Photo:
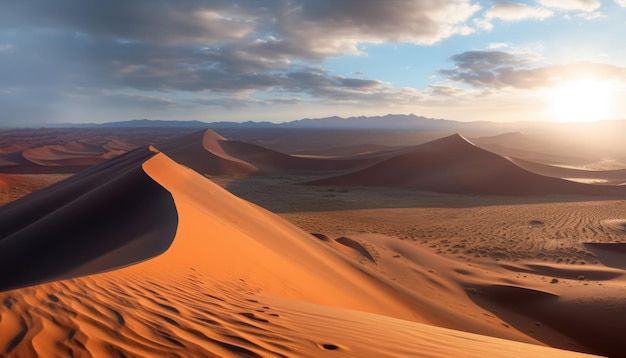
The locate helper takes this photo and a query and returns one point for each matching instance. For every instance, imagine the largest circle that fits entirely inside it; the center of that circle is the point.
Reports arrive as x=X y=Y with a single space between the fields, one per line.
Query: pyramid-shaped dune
x=454 y=165
x=191 y=270
x=203 y=152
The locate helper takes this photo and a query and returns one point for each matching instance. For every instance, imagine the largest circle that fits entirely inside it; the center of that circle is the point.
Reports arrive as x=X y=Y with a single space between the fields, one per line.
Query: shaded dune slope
x=454 y=165
x=108 y=216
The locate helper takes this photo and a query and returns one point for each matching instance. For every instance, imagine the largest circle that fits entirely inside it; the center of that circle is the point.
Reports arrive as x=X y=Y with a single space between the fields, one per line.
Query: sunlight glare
x=581 y=101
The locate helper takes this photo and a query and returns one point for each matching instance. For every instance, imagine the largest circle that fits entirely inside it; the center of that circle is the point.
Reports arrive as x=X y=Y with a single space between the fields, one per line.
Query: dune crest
x=203 y=152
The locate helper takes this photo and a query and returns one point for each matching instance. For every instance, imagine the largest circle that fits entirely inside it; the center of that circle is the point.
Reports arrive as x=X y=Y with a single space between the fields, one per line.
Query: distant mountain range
x=389 y=122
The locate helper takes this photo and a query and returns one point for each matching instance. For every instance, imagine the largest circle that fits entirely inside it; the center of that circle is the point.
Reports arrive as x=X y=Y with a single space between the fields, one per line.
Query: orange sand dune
x=202 y=151
x=209 y=153
x=118 y=144
x=72 y=152
x=70 y=157
x=276 y=256
x=233 y=282
x=454 y=165
x=11 y=148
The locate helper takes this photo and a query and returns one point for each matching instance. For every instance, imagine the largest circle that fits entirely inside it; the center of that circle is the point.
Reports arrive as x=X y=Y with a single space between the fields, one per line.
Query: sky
x=278 y=60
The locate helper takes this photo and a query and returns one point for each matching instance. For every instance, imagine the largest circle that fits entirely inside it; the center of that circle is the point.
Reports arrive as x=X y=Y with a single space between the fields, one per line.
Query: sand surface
x=251 y=275
x=176 y=265
x=71 y=150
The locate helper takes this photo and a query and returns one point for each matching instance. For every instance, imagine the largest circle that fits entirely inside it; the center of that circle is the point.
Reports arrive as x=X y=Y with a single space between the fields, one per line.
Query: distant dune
x=209 y=153
x=71 y=150
x=454 y=165
x=614 y=177
x=203 y=152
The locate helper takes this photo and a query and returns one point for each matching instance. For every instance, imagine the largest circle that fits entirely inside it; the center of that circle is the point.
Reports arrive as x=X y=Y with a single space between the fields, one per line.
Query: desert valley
x=196 y=242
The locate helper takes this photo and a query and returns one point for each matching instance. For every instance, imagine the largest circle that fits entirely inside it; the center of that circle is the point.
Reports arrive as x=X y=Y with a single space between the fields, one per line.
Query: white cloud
x=497 y=45
x=499 y=70
x=515 y=12
x=621 y=3
x=338 y=26
x=507 y=11
x=589 y=15
x=580 y=5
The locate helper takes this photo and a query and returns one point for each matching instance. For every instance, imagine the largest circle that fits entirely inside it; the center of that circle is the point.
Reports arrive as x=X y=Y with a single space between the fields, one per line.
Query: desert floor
x=387 y=272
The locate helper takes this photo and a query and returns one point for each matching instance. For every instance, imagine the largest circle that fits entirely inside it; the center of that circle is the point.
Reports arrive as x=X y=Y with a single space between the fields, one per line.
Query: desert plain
x=304 y=243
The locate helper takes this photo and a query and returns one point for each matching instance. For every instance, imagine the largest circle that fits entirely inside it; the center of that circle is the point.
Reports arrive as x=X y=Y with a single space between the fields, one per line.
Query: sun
x=581 y=101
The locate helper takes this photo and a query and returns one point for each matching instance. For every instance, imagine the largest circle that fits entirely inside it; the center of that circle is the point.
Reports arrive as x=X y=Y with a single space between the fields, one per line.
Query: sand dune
x=454 y=165
x=176 y=265
x=70 y=150
x=72 y=153
x=119 y=144
x=11 y=148
x=107 y=217
x=203 y=152
x=271 y=162
x=236 y=280
x=614 y=177
x=209 y=153
x=610 y=254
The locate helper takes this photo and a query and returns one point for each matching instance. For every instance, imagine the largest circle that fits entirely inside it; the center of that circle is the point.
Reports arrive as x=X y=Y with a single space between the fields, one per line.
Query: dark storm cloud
x=143 y=20
x=497 y=70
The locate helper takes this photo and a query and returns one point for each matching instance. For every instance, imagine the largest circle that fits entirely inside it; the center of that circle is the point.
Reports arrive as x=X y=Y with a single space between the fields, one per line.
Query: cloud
x=209 y=48
x=340 y=25
x=133 y=100
x=621 y=3
x=500 y=70
x=515 y=12
x=450 y=92
x=497 y=45
x=580 y=5
x=156 y=21
x=507 y=11
x=305 y=28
